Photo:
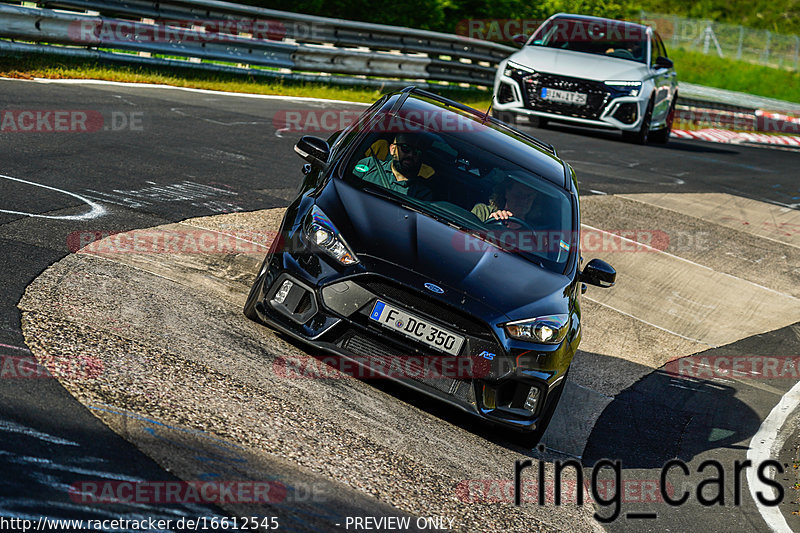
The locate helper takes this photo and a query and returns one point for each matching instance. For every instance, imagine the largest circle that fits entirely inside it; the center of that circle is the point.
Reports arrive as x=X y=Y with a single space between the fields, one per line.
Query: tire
x=538 y=122
x=530 y=440
x=662 y=136
x=505 y=116
x=252 y=298
x=642 y=135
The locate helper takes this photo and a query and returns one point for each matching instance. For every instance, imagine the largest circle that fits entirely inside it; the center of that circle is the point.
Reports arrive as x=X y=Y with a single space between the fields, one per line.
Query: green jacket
x=367 y=170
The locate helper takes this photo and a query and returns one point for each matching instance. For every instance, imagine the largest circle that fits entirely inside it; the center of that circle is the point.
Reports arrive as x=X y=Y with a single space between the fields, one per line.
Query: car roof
x=601 y=19
x=484 y=131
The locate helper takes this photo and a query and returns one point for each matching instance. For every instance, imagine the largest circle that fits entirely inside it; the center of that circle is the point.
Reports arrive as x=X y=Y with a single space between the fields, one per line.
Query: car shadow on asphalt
x=698 y=403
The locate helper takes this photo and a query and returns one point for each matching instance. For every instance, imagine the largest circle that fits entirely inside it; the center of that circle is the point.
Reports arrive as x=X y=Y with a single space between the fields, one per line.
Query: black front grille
x=597 y=95
x=439 y=312
x=381 y=354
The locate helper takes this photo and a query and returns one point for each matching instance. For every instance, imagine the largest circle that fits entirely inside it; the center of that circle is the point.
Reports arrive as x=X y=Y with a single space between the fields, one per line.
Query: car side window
x=343 y=137
x=661 y=46
x=658 y=49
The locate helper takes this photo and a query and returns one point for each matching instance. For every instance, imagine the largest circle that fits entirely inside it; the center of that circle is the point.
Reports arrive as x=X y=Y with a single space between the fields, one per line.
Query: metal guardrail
x=302 y=45
x=232 y=38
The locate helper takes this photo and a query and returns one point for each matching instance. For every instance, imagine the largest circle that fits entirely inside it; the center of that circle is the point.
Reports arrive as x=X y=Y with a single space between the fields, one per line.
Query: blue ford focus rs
x=438 y=247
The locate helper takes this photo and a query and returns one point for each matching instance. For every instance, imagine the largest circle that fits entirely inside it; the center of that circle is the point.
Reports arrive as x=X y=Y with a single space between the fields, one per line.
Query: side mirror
x=599 y=273
x=520 y=39
x=314 y=150
x=663 y=62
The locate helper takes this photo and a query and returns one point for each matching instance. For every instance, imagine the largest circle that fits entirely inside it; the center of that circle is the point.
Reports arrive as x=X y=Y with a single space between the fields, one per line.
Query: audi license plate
x=565 y=97
x=416 y=328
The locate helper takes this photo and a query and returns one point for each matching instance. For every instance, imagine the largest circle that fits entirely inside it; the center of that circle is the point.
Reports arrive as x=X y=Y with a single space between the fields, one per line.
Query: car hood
x=389 y=238
x=579 y=64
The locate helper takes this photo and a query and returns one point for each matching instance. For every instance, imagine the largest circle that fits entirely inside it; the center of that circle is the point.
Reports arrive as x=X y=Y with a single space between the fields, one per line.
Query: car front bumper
x=330 y=312
x=605 y=108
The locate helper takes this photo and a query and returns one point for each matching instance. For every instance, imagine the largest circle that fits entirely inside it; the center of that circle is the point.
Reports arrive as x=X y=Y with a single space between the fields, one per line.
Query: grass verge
x=723 y=73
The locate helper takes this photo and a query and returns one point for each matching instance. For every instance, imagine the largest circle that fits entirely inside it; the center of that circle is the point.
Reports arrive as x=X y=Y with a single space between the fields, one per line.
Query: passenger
x=400 y=173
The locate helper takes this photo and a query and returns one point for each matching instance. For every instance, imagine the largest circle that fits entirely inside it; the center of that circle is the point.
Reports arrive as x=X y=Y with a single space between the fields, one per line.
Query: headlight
x=515 y=68
x=546 y=329
x=631 y=88
x=320 y=231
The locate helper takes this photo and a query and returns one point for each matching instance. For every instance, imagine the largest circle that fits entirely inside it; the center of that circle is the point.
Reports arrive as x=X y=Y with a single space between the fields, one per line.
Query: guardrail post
x=675 y=26
x=796 y=51
x=766 y=49
x=741 y=41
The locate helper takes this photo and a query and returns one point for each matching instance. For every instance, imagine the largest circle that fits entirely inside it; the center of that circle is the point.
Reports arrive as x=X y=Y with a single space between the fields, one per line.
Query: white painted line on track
x=262 y=245
x=637 y=198
x=97 y=209
x=20 y=348
x=761 y=446
x=650 y=323
x=690 y=262
x=191 y=89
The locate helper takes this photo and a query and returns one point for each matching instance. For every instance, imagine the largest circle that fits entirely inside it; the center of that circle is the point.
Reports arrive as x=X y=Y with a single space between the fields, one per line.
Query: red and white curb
x=733 y=137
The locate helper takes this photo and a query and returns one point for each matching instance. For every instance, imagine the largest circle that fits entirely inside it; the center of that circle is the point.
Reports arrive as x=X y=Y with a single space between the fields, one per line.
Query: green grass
x=713 y=71
x=44 y=66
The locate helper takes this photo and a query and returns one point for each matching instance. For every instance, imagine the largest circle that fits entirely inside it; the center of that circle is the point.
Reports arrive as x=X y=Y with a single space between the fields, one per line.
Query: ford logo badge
x=434 y=288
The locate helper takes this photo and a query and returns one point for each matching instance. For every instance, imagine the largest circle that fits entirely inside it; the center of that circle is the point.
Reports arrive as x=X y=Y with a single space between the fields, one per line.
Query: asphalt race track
x=153 y=375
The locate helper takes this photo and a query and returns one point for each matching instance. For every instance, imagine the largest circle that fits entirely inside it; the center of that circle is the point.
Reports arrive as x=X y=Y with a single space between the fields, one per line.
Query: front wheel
x=505 y=116
x=538 y=122
x=662 y=136
x=252 y=298
x=642 y=134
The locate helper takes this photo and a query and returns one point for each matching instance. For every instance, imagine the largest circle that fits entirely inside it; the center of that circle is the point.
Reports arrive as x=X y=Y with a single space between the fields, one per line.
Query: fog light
x=280 y=296
x=532 y=399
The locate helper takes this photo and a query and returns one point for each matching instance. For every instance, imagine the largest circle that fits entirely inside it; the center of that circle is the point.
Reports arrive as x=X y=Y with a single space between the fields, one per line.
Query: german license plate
x=565 y=97
x=416 y=328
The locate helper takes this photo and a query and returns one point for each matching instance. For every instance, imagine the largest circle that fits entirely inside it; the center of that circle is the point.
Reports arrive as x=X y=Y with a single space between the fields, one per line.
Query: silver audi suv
x=590 y=71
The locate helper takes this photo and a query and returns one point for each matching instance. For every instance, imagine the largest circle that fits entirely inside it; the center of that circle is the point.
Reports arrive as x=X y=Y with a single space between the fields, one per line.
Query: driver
x=511 y=199
x=400 y=173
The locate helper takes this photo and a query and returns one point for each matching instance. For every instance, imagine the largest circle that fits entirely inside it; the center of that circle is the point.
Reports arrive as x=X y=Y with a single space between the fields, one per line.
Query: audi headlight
x=545 y=329
x=515 y=68
x=630 y=88
x=321 y=232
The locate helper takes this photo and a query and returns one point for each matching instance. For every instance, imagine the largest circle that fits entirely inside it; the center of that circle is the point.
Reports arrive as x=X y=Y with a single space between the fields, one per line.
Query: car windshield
x=497 y=203
x=602 y=37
